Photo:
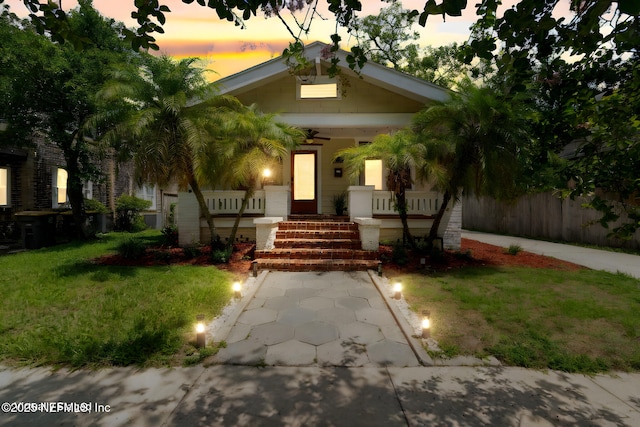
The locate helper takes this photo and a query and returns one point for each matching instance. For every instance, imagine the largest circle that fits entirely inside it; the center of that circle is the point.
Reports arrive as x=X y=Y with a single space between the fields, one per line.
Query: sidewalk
x=309 y=396
x=595 y=259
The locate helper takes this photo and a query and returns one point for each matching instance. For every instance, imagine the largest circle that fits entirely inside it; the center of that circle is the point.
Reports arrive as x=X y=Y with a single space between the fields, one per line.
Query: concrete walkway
x=319 y=319
x=595 y=259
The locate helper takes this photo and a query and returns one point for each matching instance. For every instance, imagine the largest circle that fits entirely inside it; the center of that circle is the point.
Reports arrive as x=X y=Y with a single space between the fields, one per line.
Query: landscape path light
x=237 y=289
x=201 y=340
x=426 y=324
x=397 y=290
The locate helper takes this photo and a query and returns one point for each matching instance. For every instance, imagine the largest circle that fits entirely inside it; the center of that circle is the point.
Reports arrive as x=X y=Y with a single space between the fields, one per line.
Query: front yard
x=57 y=307
x=558 y=317
x=60 y=307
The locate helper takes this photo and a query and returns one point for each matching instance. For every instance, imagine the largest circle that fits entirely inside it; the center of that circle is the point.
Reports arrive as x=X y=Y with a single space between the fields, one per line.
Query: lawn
x=59 y=308
x=576 y=321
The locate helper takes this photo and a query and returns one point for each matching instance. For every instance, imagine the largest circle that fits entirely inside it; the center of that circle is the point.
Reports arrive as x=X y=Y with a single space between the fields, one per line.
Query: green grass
x=58 y=308
x=579 y=321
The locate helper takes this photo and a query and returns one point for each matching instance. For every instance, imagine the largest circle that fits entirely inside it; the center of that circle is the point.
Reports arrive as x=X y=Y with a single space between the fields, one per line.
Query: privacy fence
x=544 y=216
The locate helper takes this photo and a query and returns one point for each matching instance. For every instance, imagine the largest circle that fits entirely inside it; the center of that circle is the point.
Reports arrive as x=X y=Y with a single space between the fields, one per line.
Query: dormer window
x=323 y=87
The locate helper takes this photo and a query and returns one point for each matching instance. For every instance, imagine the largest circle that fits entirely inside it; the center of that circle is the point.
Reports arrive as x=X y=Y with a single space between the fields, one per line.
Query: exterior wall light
x=201 y=340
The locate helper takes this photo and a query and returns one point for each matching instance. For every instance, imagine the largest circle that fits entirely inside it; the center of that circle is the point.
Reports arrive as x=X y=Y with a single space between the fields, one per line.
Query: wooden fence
x=544 y=216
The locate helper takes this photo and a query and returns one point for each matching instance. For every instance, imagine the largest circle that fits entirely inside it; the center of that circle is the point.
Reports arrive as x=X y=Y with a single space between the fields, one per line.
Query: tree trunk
x=401 y=202
x=433 y=233
x=204 y=212
x=248 y=193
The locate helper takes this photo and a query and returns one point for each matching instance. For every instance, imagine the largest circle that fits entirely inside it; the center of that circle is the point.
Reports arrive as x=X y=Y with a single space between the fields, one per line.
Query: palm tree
x=170 y=125
x=475 y=142
x=398 y=153
x=254 y=141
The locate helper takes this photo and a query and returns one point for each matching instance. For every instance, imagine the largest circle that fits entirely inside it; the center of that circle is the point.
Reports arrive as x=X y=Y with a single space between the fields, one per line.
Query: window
x=147 y=192
x=322 y=88
x=373 y=173
x=59 y=186
x=5 y=190
x=87 y=190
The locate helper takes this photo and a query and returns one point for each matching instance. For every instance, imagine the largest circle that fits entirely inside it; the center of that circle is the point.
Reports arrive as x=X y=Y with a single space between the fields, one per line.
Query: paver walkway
x=317 y=319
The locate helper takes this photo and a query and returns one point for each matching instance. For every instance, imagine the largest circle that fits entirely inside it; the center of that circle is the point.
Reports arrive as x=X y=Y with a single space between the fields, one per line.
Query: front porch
x=372 y=210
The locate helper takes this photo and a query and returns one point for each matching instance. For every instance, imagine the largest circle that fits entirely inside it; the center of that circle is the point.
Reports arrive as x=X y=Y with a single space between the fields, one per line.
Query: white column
x=369 y=233
x=188 y=219
x=360 y=201
x=266 y=232
x=277 y=201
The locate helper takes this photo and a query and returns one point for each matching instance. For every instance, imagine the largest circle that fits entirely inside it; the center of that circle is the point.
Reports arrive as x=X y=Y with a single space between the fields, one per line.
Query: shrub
x=170 y=235
x=128 y=216
x=94 y=205
x=399 y=254
x=514 y=249
x=191 y=252
x=221 y=256
x=131 y=248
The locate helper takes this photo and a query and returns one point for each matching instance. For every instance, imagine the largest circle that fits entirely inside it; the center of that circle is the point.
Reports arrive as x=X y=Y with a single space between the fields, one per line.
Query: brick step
x=316 y=264
x=319 y=253
x=307 y=243
x=317 y=225
x=318 y=217
x=318 y=234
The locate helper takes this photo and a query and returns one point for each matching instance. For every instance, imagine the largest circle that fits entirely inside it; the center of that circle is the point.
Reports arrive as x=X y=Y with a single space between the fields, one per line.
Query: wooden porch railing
x=418 y=203
x=229 y=202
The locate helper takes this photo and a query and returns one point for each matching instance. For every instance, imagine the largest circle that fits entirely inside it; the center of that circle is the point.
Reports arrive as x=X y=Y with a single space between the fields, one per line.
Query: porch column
x=277 y=201
x=360 y=201
x=369 y=233
x=188 y=219
x=266 y=232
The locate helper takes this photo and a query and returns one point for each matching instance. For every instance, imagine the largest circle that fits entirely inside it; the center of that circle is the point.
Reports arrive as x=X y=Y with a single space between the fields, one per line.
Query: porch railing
x=418 y=203
x=229 y=202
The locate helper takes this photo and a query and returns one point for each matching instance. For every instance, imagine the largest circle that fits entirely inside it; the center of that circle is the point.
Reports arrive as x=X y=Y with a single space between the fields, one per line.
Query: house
x=34 y=205
x=336 y=113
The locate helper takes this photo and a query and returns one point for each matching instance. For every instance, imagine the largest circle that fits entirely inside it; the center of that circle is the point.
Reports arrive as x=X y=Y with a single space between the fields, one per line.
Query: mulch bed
x=472 y=253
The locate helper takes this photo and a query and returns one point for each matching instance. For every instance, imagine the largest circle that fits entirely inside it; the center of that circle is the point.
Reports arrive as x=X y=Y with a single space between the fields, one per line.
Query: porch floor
x=317 y=243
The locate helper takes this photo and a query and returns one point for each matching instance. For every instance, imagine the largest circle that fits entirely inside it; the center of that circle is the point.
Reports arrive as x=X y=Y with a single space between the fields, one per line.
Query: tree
x=399 y=154
x=57 y=100
x=582 y=71
x=476 y=142
x=384 y=36
x=253 y=141
x=171 y=130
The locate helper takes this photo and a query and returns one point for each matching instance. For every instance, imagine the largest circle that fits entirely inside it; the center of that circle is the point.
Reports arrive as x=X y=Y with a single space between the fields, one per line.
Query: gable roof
x=376 y=74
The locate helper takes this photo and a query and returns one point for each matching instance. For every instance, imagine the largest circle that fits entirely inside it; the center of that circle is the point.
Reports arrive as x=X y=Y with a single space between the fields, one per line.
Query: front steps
x=317 y=245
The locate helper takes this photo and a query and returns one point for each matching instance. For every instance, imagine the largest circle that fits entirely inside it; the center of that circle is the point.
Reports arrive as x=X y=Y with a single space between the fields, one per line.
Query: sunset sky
x=194 y=30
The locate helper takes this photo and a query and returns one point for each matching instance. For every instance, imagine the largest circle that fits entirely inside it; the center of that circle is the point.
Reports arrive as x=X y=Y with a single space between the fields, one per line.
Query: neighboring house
x=33 y=194
x=337 y=113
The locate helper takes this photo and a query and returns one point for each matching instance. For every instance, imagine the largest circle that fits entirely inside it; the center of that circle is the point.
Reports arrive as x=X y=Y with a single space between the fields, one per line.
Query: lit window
x=147 y=192
x=321 y=88
x=4 y=187
x=373 y=173
x=59 y=185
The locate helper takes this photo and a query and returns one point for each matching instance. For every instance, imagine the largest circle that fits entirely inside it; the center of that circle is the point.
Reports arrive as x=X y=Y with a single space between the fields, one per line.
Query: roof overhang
x=376 y=74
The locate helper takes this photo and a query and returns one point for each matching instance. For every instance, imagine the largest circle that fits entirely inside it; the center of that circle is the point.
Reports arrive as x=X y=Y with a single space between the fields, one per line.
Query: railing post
x=360 y=201
x=277 y=201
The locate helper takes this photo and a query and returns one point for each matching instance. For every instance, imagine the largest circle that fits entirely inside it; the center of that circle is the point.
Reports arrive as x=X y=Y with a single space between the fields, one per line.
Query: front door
x=304 y=187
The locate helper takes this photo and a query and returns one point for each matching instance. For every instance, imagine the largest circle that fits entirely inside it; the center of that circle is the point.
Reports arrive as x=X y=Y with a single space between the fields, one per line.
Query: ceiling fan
x=311 y=136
